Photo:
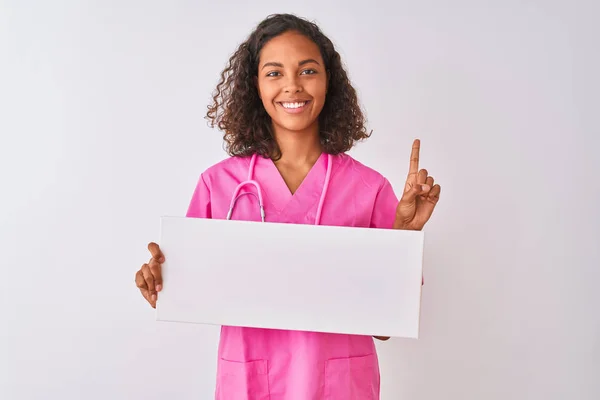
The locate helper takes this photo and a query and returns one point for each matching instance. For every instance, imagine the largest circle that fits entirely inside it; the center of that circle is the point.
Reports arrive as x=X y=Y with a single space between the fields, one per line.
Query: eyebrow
x=280 y=65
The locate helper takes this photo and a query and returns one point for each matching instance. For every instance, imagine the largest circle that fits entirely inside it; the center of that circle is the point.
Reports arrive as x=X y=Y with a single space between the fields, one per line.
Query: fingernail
x=162 y=260
x=153 y=297
x=158 y=288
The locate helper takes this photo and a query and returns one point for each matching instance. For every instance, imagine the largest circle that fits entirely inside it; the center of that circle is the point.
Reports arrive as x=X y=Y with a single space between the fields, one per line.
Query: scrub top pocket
x=242 y=380
x=351 y=378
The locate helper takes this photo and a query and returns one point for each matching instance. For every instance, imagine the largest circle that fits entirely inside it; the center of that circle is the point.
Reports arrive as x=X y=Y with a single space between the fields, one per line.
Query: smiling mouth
x=294 y=106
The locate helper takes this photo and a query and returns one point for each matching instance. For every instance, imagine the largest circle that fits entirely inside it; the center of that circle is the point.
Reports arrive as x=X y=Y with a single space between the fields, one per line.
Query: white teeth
x=293 y=105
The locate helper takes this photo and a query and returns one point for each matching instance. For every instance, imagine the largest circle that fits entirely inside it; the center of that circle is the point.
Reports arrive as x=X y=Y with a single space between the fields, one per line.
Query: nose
x=293 y=85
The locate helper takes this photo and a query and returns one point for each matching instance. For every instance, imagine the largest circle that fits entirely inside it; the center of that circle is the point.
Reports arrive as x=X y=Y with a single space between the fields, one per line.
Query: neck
x=298 y=148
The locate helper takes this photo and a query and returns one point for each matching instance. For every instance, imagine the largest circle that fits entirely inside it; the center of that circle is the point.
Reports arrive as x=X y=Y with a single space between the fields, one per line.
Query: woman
x=289 y=114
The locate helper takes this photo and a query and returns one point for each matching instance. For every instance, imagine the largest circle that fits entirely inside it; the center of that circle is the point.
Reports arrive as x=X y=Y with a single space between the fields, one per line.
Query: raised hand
x=420 y=195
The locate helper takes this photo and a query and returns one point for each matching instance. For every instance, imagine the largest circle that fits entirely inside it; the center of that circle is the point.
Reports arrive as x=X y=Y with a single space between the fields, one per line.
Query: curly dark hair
x=238 y=112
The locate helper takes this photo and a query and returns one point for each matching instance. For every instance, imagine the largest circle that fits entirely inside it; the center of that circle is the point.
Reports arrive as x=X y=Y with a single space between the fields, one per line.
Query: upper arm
x=384 y=208
x=200 y=204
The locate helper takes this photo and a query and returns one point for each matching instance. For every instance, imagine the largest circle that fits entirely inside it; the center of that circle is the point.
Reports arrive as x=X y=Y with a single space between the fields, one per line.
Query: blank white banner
x=288 y=276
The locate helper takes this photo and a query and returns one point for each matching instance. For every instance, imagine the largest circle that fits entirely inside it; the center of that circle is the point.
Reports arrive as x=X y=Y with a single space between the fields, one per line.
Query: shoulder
x=232 y=166
x=347 y=167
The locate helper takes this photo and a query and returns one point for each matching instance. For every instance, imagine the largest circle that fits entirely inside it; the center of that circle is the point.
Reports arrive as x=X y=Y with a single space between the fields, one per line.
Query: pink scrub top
x=261 y=364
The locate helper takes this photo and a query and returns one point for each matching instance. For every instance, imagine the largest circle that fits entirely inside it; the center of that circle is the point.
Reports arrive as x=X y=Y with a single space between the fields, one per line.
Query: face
x=292 y=82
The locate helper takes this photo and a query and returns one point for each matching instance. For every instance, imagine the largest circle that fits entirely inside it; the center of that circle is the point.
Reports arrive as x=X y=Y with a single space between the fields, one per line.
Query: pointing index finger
x=414 y=158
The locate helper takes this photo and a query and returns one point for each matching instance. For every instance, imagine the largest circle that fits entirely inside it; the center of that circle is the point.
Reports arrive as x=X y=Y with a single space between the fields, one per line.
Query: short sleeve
x=384 y=209
x=199 y=206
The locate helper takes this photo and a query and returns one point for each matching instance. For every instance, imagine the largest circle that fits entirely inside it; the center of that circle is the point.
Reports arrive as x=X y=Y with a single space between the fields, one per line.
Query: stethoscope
x=258 y=195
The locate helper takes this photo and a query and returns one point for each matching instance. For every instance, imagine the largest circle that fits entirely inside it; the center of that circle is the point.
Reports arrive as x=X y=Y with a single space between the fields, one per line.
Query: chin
x=295 y=126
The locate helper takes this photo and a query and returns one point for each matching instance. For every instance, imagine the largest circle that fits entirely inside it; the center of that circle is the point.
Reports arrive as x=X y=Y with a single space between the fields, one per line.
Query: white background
x=102 y=131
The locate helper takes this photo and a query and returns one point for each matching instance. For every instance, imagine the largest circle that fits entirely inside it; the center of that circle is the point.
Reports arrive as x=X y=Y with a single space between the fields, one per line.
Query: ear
x=257 y=87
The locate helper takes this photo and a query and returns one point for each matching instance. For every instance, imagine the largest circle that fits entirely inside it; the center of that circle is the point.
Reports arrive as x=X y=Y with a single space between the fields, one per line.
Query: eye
x=273 y=74
x=308 y=72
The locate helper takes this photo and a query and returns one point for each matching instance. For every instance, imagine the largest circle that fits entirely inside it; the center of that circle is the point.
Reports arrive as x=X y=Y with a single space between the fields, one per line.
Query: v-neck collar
x=278 y=192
